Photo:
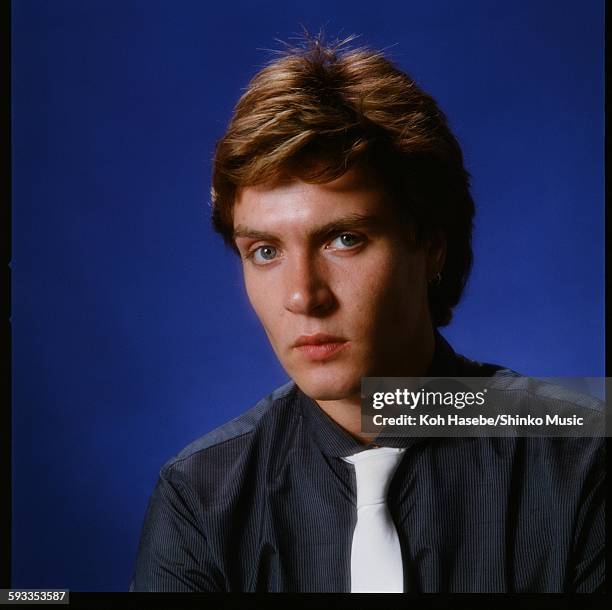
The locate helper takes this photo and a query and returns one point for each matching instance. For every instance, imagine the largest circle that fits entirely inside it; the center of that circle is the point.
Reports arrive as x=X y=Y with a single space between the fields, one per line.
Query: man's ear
x=436 y=254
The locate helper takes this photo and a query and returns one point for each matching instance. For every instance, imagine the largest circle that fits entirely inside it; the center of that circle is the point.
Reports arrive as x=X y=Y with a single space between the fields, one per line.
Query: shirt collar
x=337 y=442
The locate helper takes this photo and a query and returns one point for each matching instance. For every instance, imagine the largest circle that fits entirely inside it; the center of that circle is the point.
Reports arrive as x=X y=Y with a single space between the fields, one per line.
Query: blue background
x=132 y=333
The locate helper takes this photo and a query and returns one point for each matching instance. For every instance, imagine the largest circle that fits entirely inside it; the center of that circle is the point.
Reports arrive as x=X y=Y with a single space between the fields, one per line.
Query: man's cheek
x=256 y=296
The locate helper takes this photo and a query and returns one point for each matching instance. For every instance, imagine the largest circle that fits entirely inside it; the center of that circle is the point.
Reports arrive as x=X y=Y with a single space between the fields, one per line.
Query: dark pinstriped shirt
x=265 y=503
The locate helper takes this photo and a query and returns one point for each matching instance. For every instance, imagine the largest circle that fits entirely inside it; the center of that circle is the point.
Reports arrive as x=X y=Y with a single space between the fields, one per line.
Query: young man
x=341 y=187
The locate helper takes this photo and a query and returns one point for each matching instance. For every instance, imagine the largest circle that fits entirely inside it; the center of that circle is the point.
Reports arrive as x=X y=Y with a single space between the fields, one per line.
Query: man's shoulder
x=573 y=448
x=562 y=390
x=236 y=435
x=571 y=407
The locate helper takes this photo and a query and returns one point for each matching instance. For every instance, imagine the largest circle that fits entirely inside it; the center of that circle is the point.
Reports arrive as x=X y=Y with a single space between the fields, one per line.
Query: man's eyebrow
x=344 y=223
x=241 y=231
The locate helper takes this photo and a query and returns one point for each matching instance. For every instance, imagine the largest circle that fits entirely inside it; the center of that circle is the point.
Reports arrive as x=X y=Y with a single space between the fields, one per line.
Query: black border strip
x=6 y=422
x=335 y=601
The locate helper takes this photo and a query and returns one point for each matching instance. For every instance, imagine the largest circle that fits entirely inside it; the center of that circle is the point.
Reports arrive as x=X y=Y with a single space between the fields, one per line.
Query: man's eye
x=263 y=254
x=346 y=240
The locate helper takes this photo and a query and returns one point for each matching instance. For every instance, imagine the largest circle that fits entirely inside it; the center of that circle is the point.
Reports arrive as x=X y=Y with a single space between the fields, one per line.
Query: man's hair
x=318 y=110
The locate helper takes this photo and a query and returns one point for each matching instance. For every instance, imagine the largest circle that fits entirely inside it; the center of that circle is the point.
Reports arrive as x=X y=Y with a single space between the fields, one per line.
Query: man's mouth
x=319 y=346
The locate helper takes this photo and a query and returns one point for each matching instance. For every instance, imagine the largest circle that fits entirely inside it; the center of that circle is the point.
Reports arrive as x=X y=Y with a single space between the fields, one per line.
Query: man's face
x=337 y=286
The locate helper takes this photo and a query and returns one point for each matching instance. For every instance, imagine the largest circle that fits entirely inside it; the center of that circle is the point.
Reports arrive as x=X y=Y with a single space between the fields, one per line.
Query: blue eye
x=346 y=240
x=264 y=254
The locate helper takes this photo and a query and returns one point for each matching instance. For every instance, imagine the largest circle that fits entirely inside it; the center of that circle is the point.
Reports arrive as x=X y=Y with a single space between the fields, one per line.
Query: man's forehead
x=307 y=207
x=352 y=195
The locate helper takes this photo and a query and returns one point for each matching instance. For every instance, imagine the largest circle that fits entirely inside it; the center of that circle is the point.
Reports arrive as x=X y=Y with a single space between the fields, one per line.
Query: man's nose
x=308 y=291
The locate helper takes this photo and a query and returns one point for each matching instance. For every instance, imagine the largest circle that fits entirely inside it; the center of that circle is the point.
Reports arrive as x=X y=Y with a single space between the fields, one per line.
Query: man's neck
x=347 y=414
x=347 y=411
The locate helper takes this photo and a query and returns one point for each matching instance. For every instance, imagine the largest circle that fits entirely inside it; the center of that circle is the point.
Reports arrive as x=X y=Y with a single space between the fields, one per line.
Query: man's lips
x=319 y=346
x=317 y=339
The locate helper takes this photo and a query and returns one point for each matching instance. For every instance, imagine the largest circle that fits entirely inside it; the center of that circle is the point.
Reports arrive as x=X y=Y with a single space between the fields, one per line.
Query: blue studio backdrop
x=131 y=329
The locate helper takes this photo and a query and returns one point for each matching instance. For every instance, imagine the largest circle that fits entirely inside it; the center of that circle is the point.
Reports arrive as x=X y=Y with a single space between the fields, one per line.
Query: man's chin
x=325 y=390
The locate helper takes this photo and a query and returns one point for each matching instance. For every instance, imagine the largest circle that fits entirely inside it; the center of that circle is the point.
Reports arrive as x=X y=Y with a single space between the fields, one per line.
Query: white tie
x=376 y=557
